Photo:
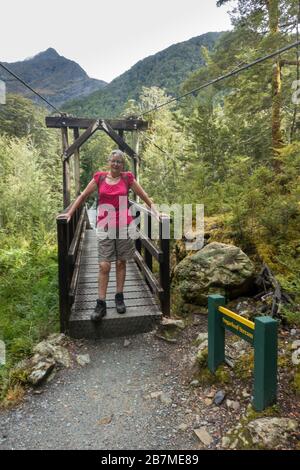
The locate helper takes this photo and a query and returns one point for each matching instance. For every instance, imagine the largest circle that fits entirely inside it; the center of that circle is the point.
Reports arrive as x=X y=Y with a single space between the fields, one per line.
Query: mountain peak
x=49 y=53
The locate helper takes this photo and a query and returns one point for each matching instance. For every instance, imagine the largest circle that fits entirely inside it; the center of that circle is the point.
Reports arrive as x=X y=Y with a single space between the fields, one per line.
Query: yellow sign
x=237 y=327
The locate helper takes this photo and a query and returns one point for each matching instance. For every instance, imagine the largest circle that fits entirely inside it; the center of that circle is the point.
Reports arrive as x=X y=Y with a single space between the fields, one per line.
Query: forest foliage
x=215 y=147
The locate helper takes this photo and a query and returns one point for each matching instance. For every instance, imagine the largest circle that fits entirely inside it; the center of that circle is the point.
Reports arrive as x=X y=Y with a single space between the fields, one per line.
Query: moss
x=296 y=383
x=202 y=357
x=205 y=376
x=223 y=375
x=241 y=433
x=271 y=411
x=243 y=367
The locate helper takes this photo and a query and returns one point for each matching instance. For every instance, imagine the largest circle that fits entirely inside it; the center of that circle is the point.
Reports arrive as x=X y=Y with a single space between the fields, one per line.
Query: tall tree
x=271 y=19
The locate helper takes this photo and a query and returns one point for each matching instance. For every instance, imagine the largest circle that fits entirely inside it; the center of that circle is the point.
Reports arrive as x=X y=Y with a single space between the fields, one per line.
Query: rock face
x=271 y=432
x=217 y=268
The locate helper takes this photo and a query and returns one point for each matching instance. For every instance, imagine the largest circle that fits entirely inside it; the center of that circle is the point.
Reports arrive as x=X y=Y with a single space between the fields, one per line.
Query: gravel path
x=107 y=404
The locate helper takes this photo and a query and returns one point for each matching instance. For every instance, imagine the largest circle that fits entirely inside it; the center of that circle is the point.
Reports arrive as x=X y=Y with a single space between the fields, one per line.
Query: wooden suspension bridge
x=147 y=294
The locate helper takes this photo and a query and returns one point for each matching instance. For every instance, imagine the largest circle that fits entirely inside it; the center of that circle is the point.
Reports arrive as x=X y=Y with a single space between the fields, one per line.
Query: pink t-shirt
x=110 y=194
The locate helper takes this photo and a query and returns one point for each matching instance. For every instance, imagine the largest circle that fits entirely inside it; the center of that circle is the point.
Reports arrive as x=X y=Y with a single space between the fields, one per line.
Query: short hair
x=117 y=153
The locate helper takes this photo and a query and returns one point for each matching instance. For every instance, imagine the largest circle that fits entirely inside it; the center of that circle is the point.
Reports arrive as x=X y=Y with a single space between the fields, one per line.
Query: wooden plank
x=94 y=278
x=66 y=171
x=149 y=245
x=111 y=296
x=149 y=275
x=164 y=268
x=110 y=303
x=81 y=139
x=112 y=313
x=83 y=123
x=118 y=139
x=76 y=164
x=129 y=282
x=93 y=290
x=77 y=237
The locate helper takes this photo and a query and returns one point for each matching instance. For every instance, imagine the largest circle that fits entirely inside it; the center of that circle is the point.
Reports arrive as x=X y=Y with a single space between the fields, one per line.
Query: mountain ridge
x=45 y=72
x=166 y=69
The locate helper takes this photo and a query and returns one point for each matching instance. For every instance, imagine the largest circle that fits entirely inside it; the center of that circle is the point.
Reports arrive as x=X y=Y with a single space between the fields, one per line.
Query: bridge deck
x=142 y=307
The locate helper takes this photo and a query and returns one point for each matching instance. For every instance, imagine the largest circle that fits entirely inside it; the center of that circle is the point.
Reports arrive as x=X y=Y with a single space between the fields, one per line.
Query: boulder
x=216 y=268
x=41 y=371
x=271 y=432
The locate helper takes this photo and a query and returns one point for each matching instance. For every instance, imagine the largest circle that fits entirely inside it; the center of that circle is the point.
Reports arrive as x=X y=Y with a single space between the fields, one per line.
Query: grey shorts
x=113 y=246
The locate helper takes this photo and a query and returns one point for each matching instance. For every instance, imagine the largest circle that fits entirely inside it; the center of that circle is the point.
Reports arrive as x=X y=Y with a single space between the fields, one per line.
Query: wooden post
x=265 y=362
x=66 y=169
x=63 y=239
x=164 y=267
x=76 y=165
x=148 y=256
x=216 y=332
x=135 y=146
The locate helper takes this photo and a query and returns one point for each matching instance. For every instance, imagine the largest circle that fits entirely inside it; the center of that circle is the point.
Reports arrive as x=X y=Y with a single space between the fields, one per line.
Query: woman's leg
x=104 y=269
x=120 y=274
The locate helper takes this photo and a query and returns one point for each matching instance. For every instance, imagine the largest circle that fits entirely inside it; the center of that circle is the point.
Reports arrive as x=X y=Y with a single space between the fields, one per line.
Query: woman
x=113 y=220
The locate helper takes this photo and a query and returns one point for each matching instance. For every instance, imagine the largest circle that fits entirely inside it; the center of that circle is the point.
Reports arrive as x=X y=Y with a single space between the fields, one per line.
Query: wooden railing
x=70 y=235
x=146 y=250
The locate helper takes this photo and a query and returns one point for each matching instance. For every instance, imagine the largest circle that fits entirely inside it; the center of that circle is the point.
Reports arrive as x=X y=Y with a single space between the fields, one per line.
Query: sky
x=104 y=37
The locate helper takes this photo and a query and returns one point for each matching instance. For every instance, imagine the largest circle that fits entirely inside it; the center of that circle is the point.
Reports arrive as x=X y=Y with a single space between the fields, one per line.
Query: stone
x=295 y=344
x=58 y=339
x=61 y=356
x=225 y=442
x=234 y=405
x=172 y=322
x=182 y=427
x=219 y=397
x=293 y=332
x=41 y=371
x=83 y=359
x=126 y=343
x=216 y=268
x=165 y=399
x=155 y=394
x=203 y=345
x=271 y=432
x=208 y=401
x=195 y=383
x=52 y=349
x=201 y=337
x=296 y=357
x=203 y=436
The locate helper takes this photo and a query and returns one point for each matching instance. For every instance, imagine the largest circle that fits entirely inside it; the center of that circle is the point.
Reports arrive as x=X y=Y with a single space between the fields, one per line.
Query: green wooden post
x=265 y=362
x=216 y=332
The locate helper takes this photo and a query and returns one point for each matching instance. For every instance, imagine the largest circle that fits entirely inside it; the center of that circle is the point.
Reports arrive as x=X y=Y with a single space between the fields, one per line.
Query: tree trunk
x=277 y=142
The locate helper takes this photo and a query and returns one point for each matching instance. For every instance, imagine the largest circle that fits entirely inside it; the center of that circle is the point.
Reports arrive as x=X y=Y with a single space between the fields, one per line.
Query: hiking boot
x=119 y=299
x=100 y=310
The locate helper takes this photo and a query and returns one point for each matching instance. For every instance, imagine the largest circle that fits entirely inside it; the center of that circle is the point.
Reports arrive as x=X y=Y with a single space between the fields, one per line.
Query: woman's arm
x=91 y=187
x=137 y=188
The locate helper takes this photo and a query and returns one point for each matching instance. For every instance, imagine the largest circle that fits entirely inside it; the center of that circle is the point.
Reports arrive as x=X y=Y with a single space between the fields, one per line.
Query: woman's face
x=115 y=165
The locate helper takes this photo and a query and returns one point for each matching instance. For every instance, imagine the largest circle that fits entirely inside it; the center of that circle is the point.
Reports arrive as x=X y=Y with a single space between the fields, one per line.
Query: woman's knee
x=104 y=267
x=120 y=263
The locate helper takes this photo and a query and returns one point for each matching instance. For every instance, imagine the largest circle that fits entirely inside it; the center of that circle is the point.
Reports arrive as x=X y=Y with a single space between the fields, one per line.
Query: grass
x=29 y=301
